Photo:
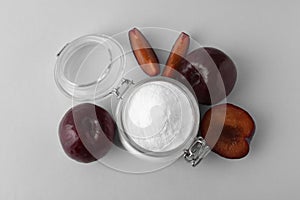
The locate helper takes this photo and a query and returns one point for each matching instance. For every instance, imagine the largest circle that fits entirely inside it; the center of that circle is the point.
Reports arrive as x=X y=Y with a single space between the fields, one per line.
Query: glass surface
x=84 y=68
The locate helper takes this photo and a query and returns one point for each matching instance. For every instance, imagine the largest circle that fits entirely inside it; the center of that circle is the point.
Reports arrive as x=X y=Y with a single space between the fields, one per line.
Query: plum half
x=236 y=131
x=86 y=132
x=210 y=72
x=177 y=54
x=143 y=52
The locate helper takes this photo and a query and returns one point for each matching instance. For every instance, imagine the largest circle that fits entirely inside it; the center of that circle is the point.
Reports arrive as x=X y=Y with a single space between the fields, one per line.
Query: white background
x=262 y=37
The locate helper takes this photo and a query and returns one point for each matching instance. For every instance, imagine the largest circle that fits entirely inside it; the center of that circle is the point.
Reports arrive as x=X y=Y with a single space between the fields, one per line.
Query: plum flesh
x=143 y=52
x=237 y=130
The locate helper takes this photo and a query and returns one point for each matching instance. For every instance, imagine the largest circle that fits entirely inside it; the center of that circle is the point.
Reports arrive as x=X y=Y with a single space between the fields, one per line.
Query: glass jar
x=103 y=70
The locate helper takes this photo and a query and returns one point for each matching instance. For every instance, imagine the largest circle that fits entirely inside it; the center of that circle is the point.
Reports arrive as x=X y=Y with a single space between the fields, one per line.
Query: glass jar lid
x=90 y=67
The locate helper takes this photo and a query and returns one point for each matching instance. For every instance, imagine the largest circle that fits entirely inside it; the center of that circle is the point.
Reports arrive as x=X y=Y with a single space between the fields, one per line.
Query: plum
x=86 y=132
x=143 y=52
x=209 y=71
x=177 y=54
x=236 y=131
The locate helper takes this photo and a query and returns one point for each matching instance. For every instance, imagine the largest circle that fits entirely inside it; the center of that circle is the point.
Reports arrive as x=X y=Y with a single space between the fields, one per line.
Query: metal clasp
x=118 y=92
x=197 y=151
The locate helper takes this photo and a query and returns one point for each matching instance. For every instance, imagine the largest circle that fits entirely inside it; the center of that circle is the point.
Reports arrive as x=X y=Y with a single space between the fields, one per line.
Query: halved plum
x=86 y=132
x=236 y=131
x=143 y=52
x=177 y=54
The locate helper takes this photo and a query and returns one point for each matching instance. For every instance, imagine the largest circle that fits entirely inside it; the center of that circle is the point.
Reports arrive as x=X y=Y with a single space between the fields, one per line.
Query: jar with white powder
x=157 y=117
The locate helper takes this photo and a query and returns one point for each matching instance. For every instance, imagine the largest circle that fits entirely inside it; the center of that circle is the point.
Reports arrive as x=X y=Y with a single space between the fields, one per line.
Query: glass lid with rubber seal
x=85 y=69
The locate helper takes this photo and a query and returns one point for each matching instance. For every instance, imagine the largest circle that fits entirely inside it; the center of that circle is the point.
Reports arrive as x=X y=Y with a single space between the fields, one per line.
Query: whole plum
x=210 y=72
x=86 y=132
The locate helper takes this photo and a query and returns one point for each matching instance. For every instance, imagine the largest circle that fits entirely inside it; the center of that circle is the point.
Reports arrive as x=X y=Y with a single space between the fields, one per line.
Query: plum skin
x=86 y=132
x=207 y=58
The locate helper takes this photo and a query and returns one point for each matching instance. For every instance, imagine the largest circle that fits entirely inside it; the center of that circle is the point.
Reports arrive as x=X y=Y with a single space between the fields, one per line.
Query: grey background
x=262 y=37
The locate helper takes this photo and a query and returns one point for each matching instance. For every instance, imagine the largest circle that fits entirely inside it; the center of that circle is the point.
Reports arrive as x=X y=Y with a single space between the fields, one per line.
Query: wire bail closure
x=118 y=92
x=197 y=151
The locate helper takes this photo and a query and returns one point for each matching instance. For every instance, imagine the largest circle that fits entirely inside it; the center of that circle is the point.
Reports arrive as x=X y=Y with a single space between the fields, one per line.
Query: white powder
x=158 y=116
